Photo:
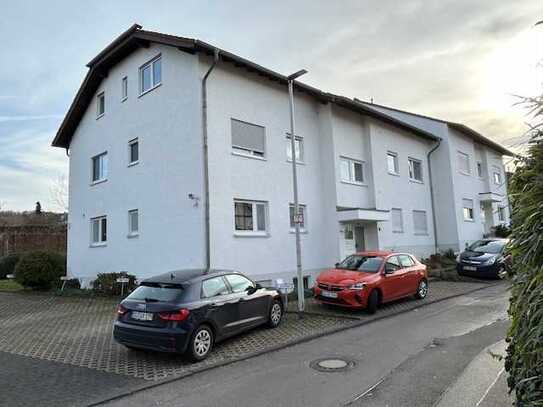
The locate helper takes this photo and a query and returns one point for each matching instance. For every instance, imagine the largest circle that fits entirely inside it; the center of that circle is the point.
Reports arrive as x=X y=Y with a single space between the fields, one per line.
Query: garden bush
x=524 y=360
x=7 y=265
x=40 y=270
x=106 y=283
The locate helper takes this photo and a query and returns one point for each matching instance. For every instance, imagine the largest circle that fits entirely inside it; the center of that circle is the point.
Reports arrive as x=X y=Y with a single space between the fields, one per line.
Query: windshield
x=361 y=263
x=155 y=293
x=487 y=246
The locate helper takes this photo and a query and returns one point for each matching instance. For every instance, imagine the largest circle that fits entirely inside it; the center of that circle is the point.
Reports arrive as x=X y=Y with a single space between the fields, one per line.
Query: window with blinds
x=397 y=221
x=420 y=224
x=248 y=139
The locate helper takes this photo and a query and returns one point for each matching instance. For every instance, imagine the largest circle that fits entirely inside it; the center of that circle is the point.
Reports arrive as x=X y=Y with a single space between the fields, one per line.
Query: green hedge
x=7 y=265
x=106 y=283
x=524 y=360
x=40 y=270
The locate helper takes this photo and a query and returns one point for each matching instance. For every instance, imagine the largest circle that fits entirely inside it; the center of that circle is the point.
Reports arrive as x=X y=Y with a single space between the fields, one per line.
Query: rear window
x=361 y=263
x=154 y=293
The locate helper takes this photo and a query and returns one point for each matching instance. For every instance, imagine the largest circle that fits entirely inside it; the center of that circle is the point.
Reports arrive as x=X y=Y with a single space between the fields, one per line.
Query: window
x=247 y=138
x=361 y=263
x=467 y=209
x=420 y=224
x=124 y=89
x=250 y=217
x=99 y=168
x=100 y=105
x=397 y=220
x=480 y=169
x=497 y=175
x=392 y=264
x=133 y=152
x=98 y=231
x=151 y=75
x=463 y=163
x=133 y=222
x=348 y=232
x=501 y=213
x=415 y=170
x=298 y=147
x=238 y=283
x=301 y=217
x=406 y=261
x=213 y=287
x=392 y=163
x=351 y=171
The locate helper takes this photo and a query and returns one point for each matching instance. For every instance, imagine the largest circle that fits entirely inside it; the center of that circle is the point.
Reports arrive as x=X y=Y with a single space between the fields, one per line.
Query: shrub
x=106 y=283
x=502 y=231
x=40 y=270
x=7 y=265
x=524 y=360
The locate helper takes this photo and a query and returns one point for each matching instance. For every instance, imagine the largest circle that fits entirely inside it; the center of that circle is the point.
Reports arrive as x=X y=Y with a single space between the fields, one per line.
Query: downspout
x=206 y=160
x=432 y=193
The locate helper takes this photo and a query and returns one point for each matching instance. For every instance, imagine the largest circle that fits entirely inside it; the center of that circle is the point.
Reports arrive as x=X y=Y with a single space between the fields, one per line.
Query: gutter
x=206 y=160
x=432 y=192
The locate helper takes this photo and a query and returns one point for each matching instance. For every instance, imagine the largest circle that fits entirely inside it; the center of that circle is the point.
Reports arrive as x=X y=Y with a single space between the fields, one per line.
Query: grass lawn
x=10 y=285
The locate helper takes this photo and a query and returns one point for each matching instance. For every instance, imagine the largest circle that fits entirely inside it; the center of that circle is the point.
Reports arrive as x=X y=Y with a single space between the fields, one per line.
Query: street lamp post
x=297 y=215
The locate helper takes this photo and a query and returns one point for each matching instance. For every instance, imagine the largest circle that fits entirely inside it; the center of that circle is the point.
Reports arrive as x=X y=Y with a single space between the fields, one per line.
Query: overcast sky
x=459 y=60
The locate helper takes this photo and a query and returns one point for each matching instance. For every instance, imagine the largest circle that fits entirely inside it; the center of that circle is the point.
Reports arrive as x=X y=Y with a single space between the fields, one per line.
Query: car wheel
x=201 y=343
x=276 y=314
x=373 y=302
x=422 y=289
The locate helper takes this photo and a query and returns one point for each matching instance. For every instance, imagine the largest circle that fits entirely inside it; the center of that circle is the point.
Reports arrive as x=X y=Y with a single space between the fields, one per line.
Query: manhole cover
x=332 y=364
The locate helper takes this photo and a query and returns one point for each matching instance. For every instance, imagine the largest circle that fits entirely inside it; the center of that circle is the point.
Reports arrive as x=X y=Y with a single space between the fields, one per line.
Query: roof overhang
x=363 y=215
x=490 y=197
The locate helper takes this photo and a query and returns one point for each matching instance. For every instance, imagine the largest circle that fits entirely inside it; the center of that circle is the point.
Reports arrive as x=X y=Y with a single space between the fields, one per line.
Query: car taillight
x=180 y=315
x=121 y=310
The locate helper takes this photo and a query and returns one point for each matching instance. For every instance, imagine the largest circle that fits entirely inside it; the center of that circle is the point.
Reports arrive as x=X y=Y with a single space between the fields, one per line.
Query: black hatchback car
x=187 y=311
x=484 y=258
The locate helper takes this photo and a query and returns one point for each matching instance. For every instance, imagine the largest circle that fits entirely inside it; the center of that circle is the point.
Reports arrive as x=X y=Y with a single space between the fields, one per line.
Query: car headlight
x=491 y=261
x=458 y=258
x=357 y=286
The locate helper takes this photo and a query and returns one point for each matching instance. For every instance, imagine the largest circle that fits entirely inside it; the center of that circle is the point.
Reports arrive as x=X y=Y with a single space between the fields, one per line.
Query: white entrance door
x=348 y=242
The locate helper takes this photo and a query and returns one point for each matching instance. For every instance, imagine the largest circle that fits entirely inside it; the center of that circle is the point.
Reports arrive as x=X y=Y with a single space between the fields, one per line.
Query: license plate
x=470 y=268
x=328 y=294
x=142 y=316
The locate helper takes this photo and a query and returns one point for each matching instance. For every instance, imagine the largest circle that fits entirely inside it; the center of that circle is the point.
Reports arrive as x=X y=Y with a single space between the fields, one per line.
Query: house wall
x=167 y=122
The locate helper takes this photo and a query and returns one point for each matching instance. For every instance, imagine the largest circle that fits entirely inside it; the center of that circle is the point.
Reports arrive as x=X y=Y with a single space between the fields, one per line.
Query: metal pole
x=296 y=204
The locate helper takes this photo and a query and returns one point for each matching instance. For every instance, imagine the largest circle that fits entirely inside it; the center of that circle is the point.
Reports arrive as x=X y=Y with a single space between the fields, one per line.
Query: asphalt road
x=406 y=360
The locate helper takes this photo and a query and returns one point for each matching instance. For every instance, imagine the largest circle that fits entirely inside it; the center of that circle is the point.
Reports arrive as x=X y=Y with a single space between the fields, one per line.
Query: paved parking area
x=78 y=332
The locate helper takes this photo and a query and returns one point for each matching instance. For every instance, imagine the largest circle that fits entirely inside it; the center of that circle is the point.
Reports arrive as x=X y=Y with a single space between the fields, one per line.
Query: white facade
x=165 y=185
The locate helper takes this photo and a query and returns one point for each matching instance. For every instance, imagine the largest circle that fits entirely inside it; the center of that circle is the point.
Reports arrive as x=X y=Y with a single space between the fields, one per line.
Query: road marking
x=490 y=387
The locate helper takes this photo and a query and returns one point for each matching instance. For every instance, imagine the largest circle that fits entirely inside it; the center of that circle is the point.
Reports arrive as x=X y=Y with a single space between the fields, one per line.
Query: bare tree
x=59 y=192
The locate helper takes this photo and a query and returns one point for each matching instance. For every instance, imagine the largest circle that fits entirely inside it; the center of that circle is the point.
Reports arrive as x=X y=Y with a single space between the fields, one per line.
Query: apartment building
x=369 y=177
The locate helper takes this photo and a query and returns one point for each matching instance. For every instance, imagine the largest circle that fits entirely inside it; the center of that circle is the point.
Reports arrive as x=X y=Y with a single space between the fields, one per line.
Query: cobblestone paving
x=78 y=331
x=438 y=290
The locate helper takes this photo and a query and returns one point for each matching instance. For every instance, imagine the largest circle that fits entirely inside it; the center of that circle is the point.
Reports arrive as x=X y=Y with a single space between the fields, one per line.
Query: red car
x=368 y=279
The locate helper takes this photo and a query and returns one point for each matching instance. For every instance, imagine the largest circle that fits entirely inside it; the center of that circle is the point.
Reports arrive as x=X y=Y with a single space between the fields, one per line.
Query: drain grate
x=332 y=364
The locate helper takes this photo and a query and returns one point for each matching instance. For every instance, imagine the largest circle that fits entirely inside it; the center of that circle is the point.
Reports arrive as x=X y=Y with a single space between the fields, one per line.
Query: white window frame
x=154 y=85
x=131 y=231
x=496 y=172
x=98 y=220
x=501 y=213
x=100 y=103
x=255 y=231
x=300 y=140
x=468 y=213
x=103 y=173
x=411 y=161
x=124 y=88
x=459 y=155
x=401 y=229
x=351 y=177
x=420 y=232
x=479 y=169
x=303 y=226
x=396 y=161
x=246 y=152
x=130 y=144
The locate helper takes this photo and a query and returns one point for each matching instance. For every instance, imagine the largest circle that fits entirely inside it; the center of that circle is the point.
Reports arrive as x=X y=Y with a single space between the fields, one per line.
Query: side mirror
x=389 y=269
x=336 y=265
x=258 y=286
x=252 y=289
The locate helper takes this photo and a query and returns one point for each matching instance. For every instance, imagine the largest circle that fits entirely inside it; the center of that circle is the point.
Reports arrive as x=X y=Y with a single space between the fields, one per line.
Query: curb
x=278 y=347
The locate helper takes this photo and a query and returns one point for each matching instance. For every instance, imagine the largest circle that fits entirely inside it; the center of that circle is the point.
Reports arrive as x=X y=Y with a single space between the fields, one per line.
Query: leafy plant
x=106 y=283
x=7 y=265
x=524 y=360
x=40 y=270
x=502 y=231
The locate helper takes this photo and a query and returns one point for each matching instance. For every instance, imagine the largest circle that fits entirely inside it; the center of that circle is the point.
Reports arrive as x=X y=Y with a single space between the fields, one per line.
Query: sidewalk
x=482 y=384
